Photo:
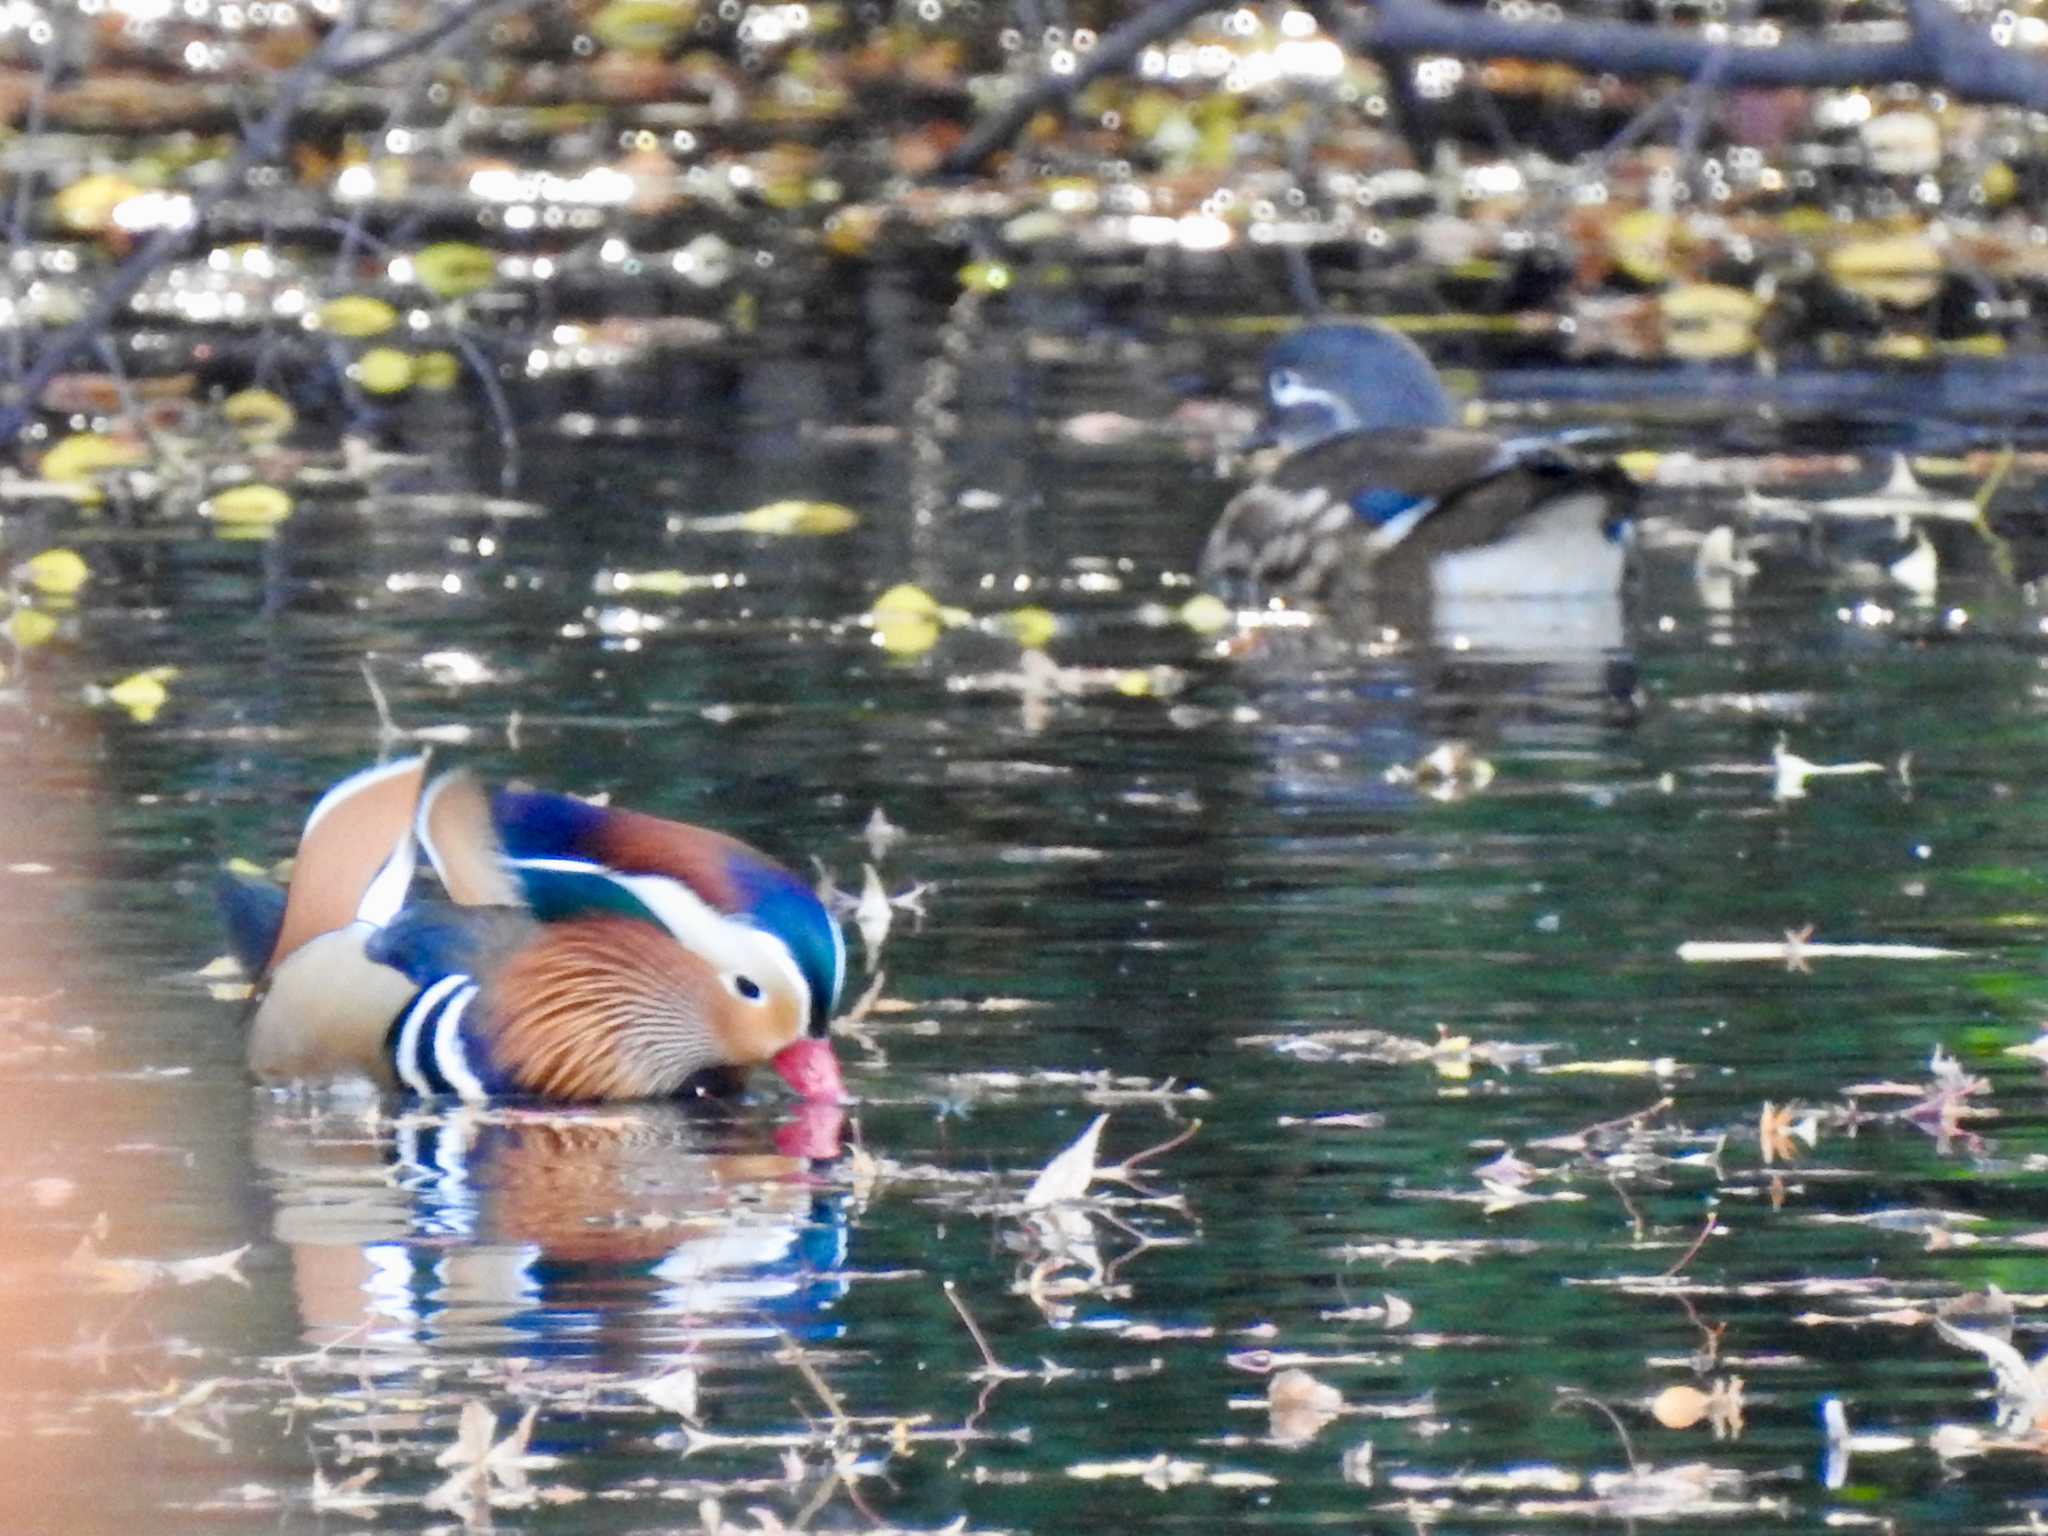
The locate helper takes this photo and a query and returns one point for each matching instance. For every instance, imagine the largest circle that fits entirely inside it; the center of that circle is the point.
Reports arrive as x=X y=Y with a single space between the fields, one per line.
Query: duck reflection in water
x=608 y=1234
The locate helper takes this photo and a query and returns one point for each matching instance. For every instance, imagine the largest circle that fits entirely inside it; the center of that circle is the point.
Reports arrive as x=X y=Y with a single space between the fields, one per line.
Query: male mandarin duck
x=584 y=953
x=1382 y=497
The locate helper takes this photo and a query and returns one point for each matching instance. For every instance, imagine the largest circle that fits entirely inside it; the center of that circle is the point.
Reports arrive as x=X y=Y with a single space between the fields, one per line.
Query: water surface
x=1199 y=888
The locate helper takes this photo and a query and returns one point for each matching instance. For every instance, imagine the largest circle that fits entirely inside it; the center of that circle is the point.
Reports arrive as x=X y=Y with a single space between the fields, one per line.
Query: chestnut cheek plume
x=811 y=1070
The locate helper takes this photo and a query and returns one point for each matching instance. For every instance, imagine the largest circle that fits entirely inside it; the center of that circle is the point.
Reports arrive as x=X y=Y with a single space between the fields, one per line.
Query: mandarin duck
x=583 y=953
x=1381 y=498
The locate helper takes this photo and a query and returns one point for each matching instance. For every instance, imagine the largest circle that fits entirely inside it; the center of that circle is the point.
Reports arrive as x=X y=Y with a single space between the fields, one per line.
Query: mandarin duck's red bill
x=549 y=972
x=811 y=1070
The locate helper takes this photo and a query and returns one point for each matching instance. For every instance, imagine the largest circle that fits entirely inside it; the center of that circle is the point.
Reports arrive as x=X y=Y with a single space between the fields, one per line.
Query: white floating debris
x=1797 y=947
x=1790 y=771
x=1901 y=496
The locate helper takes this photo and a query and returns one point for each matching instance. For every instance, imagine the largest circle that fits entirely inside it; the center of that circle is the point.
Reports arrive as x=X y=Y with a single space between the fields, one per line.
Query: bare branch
x=1941 y=49
x=1115 y=49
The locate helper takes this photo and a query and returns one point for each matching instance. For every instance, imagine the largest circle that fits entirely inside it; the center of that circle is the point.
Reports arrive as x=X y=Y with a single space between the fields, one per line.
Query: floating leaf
x=1639 y=242
x=805 y=518
x=1206 y=614
x=82 y=457
x=454 y=269
x=986 y=276
x=56 y=572
x=673 y=1391
x=437 y=370
x=1705 y=322
x=1068 y=1176
x=1032 y=627
x=1679 y=1407
x=642 y=26
x=87 y=205
x=382 y=371
x=29 y=628
x=907 y=600
x=141 y=694
x=357 y=315
x=906 y=634
x=1299 y=1405
x=258 y=415
x=1903 y=271
x=249 y=506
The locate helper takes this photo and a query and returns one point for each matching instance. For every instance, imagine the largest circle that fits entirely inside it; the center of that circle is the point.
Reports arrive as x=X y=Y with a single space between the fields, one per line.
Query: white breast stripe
x=449 y=1055
x=405 y=1054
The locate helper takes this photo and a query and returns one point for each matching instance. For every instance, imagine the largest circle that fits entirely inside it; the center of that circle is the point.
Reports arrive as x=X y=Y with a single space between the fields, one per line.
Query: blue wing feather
x=534 y=824
x=1380 y=505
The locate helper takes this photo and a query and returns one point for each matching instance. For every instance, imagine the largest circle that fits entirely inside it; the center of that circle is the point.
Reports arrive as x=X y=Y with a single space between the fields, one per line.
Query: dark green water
x=1155 y=907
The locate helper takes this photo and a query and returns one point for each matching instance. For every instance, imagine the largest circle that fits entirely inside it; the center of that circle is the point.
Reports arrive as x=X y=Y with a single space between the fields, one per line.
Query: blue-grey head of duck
x=1348 y=376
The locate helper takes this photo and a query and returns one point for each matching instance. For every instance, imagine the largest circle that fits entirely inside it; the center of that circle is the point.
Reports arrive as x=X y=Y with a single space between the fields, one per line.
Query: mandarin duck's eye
x=744 y=987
